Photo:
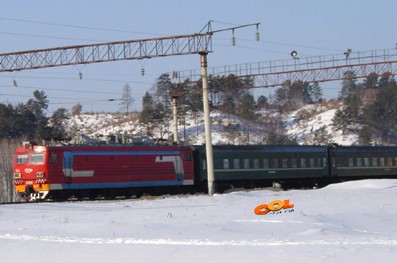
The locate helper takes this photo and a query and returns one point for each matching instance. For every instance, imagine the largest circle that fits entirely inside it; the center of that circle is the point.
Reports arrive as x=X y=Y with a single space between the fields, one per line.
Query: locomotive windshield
x=22 y=158
x=33 y=158
x=37 y=158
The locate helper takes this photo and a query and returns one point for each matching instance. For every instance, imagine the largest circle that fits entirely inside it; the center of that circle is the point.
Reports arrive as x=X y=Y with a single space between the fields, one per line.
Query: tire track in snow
x=195 y=242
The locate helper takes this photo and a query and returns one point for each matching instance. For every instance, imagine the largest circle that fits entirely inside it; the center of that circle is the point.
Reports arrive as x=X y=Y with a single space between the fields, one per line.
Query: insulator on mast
x=142 y=71
x=80 y=75
x=257 y=33
x=233 y=38
x=15 y=83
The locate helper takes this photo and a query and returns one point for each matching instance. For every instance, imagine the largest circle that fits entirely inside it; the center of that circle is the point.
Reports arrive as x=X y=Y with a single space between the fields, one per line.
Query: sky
x=312 y=28
x=347 y=222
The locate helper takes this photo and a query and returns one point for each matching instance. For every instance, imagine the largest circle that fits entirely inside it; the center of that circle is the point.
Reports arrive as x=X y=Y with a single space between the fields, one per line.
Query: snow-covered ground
x=347 y=222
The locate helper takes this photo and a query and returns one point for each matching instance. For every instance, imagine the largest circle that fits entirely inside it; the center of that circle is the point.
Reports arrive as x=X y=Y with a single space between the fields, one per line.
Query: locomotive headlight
x=17 y=175
x=40 y=174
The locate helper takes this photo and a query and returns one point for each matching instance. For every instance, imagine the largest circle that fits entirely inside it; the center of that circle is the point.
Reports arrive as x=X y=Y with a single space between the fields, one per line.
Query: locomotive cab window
x=23 y=158
x=37 y=158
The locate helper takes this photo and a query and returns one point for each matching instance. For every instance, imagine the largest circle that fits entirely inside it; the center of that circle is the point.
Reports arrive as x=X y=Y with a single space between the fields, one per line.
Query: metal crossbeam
x=312 y=69
x=104 y=52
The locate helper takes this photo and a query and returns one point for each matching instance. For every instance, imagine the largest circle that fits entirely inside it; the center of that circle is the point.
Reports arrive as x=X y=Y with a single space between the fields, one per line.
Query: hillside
x=303 y=124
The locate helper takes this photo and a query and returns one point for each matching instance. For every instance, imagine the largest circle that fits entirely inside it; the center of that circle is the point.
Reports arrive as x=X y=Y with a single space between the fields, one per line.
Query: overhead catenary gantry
x=311 y=69
x=106 y=52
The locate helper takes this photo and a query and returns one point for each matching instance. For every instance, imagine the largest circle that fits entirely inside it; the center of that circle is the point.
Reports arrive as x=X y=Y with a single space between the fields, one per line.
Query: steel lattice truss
x=103 y=52
x=312 y=69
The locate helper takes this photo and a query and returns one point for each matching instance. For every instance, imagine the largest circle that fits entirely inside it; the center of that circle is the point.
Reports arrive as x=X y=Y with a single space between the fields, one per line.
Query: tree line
x=370 y=108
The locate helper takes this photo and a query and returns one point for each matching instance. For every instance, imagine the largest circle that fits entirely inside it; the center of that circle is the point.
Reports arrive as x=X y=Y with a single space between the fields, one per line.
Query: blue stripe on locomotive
x=68 y=160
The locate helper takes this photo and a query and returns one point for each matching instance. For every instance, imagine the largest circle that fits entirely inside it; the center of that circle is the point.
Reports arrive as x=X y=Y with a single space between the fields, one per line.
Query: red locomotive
x=42 y=172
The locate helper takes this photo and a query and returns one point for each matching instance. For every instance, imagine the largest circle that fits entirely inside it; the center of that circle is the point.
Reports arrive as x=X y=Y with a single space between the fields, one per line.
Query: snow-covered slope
x=302 y=124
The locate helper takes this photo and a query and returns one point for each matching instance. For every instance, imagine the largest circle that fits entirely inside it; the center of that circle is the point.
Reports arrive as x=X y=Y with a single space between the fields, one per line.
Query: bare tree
x=7 y=149
x=127 y=99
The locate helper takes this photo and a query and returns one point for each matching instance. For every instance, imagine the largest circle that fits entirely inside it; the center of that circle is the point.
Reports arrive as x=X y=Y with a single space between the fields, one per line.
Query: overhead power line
x=76 y=26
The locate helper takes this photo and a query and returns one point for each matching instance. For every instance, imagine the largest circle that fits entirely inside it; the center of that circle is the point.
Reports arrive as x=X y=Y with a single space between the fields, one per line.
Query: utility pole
x=207 y=125
x=175 y=114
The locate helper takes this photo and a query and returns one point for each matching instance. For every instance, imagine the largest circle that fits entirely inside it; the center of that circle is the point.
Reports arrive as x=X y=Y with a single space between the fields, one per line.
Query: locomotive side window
x=374 y=161
x=366 y=161
x=23 y=158
x=381 y=161
x=236 y=163
x=389 y=161
x=246 y=163
x=359 y=163
x=226 y=164
x=351 y=162
x=324 y=162
x=37 y=158
x=256 y=164
x=54 y=158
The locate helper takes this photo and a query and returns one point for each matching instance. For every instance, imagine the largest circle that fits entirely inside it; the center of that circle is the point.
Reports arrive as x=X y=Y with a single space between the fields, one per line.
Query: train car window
x=22 y=158
x=285 y=163
x=374 y=161
x=395 y=161
x=204 y=164
x=266 y=163
x=86 y=158
x=246 y=164
x=389 y=161
x=294 y=163
x=303 y=162
x=54 y=158
x=256 y=164
x=226 y=164
x=359 y=163
x=236 y=163
x=324 y=162
x=111 y=157
x=275 y=163
x=311 y=162
x=319 y=162
x=366 y=161
x=381 y=161
x=351 y=164
x=37 y=158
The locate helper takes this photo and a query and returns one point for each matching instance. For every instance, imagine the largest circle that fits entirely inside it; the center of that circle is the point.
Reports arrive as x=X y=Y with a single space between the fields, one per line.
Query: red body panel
x=79 y=167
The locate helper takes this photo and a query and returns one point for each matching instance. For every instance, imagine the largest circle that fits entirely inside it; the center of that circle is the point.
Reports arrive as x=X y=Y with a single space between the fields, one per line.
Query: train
x=91 y=171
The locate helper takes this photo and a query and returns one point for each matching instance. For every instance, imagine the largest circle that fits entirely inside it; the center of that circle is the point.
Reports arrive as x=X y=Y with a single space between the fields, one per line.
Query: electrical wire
x=76 y=26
